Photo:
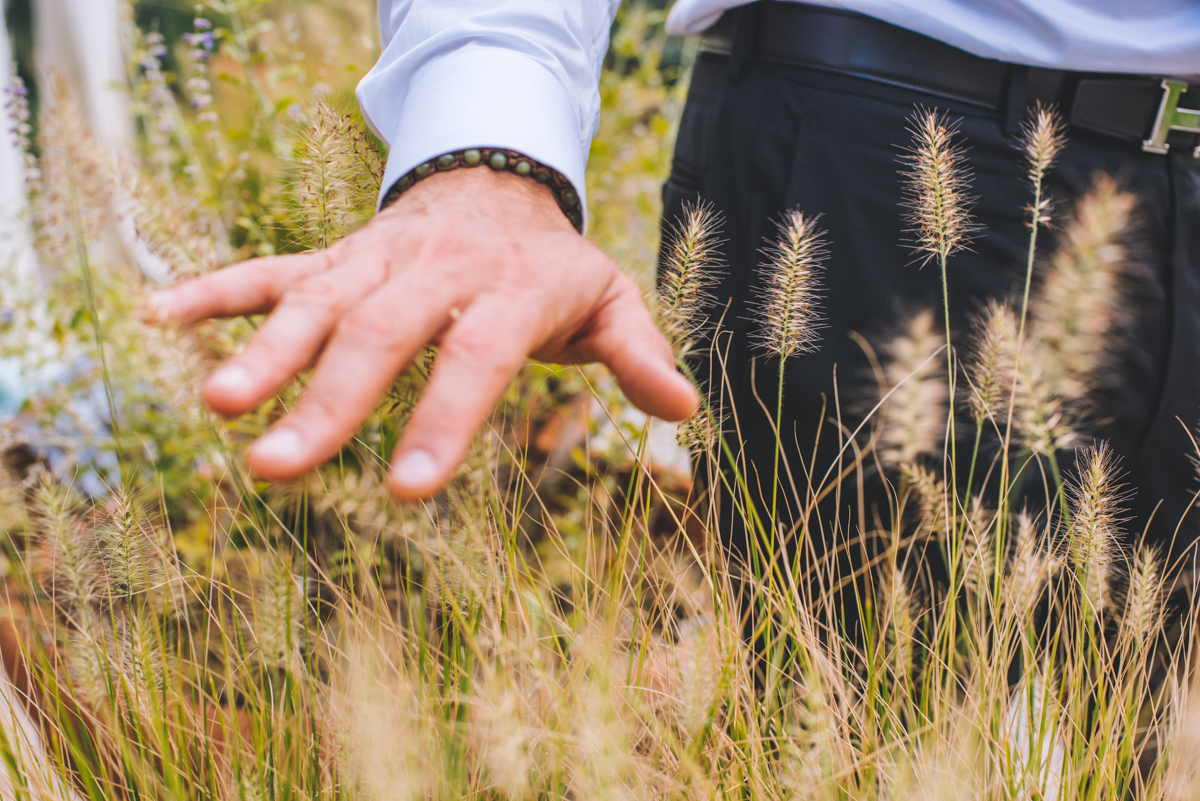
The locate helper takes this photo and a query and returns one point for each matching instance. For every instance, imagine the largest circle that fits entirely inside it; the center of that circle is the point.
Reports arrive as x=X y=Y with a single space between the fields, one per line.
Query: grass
x=560 y=622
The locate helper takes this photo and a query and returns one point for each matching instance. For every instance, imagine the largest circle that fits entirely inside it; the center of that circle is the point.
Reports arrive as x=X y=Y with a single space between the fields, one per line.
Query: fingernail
x=281 y=445
x=415 y=469
x=157 y=306
x=234 y=379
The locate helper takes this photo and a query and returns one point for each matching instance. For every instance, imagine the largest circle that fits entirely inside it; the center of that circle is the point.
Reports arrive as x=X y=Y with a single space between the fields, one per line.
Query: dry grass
x=559 y=623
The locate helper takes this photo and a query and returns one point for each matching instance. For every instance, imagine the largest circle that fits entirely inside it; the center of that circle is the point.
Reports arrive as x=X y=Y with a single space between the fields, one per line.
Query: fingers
x=625 y=338
x=251 y=287
x=374 y=341
x=477 y=360
x=290 y=338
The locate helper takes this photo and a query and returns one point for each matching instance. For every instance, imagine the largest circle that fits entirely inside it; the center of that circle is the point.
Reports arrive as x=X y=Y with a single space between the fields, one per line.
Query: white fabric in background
x=80 y=39
x=1154 y=37
x=16 y=252
x=522 y=74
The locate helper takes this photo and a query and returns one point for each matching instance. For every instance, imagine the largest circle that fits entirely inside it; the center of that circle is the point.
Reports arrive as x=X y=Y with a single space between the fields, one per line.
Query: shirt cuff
x=486 y=97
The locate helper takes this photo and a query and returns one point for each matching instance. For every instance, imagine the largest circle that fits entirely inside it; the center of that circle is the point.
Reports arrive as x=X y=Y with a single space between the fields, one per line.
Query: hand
x=483 y=265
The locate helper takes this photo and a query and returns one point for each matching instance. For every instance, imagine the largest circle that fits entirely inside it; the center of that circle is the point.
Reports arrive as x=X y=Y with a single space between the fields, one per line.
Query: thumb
x=625 y=339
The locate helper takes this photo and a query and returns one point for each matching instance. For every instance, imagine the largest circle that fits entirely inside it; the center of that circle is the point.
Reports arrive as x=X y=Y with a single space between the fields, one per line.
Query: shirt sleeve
x=516 y=74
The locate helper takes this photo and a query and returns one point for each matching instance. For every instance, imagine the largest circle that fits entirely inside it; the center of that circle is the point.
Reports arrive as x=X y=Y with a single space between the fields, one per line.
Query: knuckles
x=371 y=328
x=326 y=290
x=481 y=354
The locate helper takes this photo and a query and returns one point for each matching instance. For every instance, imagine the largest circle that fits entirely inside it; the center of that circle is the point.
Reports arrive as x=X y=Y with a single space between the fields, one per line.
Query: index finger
x=251 y=287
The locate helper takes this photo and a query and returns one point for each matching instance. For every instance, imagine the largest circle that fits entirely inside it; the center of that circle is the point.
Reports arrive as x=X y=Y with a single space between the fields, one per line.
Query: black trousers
x=758 y=139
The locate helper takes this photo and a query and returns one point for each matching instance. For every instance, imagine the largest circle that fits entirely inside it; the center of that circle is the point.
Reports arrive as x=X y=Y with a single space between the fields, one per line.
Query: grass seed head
x=901 y=625
x=1030 y=569
x=1043 y=136
x=992 y=371
x=67 y=551
x=692 y=267
x=786 y=304
x=978 y=550
x=336 y=186
x=937 y=184
x=700 y=433
x=130 y=555
x=278 y=606
x=1044 y=421
x=1143 y=615
x=929 y=492
x=1096 y=518
x=1080 y=302
x=914 y=415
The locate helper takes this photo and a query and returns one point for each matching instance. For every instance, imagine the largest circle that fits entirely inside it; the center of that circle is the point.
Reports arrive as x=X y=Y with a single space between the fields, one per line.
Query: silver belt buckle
x=1172 y=118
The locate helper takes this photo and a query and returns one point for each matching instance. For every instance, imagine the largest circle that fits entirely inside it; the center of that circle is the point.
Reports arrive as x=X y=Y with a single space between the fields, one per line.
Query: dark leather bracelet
x=500 y=160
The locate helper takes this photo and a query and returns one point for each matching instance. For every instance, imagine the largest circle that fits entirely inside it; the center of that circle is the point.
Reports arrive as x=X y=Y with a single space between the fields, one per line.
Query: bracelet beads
x=500 y=160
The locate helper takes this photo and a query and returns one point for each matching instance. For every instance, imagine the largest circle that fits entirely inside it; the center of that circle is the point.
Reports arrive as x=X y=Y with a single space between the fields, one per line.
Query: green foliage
x=559 y=622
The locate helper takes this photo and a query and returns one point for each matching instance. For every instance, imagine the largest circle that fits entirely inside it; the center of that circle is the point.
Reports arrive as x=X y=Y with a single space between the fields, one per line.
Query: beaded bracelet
x=500 y=160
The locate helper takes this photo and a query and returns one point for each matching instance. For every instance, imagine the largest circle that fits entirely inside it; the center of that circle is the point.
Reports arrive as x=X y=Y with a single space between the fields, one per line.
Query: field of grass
x=560 y=622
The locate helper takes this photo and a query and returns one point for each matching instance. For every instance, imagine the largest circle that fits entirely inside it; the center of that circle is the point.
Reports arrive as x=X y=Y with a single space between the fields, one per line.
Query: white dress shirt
x=523 y=74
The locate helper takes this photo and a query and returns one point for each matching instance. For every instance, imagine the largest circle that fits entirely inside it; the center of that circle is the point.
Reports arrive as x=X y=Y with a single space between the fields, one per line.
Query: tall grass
x=560 y=622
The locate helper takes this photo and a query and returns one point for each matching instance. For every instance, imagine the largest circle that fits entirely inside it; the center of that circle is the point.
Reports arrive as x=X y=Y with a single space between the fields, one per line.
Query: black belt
x=1131 y=108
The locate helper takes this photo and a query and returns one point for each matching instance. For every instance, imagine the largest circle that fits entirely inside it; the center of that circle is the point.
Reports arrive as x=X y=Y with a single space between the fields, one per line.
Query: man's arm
x=481 y=264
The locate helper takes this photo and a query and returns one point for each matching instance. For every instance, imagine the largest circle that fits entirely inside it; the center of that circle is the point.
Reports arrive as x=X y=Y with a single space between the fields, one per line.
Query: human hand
x=479 y=263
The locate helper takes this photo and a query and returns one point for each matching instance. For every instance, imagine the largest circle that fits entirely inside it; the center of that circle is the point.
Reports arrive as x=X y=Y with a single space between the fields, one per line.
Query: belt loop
x=1017 y=99
x=745 y=39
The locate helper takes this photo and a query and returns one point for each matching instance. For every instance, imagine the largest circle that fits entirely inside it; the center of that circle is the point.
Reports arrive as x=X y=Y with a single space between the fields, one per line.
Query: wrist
x=501 y=162
x=476 y=195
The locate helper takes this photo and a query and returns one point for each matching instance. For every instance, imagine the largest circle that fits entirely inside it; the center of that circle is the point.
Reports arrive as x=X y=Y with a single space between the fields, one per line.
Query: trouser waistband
x=1148 y=111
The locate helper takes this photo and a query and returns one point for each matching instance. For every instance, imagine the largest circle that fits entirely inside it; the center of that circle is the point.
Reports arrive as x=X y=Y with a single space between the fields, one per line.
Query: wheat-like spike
x=130 y=557
x=1043 y=420
x=1096 y=518
x=914 y=416
x=330 y=174
x=692 y=267
x=1030 y=569
x=370 y=163
x=978 y=552
x=786 y=302
x=992 y=371
x=1080 y=302
x=901 y=624
x=71 y=205
x=929 y=491
x=76 y=574
x=936 y=188
x=1042 y=138
x=277 y=608
x=700 y=433
x=1144 y=598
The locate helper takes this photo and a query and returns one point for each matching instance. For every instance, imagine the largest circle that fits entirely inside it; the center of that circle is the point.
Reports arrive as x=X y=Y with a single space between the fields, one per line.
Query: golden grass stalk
x=978 y=547
x=1031 y=567
x=992 y=371
x=691 y=270
x=66 y=554
x=337 y=177
x=1096 y=518
x=786 y=304
x=278 y=607
x=1080 y=303
x=914 y=415
x=928 y=490
x=1142 y=617
x=1042 y=139
x=937 y=184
